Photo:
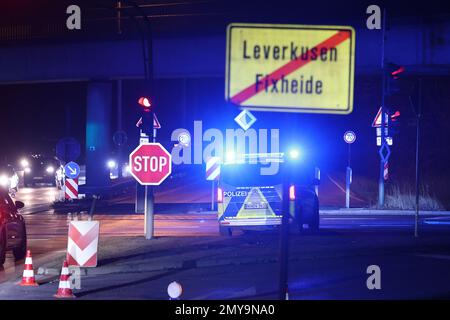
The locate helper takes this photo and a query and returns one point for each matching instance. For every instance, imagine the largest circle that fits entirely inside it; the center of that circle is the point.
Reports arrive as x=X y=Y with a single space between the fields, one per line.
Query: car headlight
x=111 y=164
x=24 y=163
x=4 y=180
x=50 y=169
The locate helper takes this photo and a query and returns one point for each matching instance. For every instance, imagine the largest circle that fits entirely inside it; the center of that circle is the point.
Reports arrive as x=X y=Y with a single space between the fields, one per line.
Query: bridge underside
x=101 y=62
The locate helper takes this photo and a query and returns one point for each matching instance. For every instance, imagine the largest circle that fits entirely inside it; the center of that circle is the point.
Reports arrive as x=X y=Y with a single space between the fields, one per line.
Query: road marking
x=445 y=223
x=385 y=225
x=342 y=218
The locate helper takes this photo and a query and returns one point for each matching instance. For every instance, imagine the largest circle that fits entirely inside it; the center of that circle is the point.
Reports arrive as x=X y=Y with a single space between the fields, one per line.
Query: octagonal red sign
x=150 y=164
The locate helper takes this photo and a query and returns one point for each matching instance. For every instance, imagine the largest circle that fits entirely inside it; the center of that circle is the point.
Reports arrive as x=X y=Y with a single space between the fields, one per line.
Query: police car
x=249 y=198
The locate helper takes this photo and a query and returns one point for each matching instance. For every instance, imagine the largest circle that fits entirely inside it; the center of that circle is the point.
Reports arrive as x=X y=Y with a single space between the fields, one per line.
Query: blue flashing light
x=230 y=156
x=294 y=153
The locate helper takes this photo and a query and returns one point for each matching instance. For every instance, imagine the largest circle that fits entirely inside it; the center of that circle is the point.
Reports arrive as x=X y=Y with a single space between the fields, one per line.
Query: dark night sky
x=35 y=116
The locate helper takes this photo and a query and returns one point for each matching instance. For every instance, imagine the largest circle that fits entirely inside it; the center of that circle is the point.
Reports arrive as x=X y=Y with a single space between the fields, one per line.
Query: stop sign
x=150 y=164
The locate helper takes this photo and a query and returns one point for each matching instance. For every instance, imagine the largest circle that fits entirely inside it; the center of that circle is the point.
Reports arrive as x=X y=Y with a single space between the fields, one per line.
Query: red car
x=13 y=234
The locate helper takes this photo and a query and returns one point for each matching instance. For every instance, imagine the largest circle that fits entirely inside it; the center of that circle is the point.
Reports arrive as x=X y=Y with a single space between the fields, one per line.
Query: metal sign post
x=348 y=181
x=418 y=115
x=212 y=195
x=349 y=138
x=284 y=241
x=212 y=173
x=149 y=213
x=139 y=204
x=383 y=118
x=317 y=177
x=150 y=165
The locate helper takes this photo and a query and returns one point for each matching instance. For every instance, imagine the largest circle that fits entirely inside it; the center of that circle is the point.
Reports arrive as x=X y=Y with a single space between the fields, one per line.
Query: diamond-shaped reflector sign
x=385 y=152
x=245 y=119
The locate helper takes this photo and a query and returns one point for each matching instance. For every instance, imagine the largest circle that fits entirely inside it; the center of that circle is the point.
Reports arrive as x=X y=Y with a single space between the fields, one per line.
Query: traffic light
x=394 y=73
x=146 y=120
x=394 y=123
x=145 y=102
x=394 y=116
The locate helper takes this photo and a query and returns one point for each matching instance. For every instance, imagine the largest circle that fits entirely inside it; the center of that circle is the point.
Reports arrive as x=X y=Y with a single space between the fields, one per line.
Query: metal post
x=119 y=124
x=349 y=155
x=149 y=214
x=93 y=204
x=348 y=181
x=149 y=197
x=148 y=71
x=383 y=138
x=317 y=176
x=348 y=173
x=212 y=195
x=418 y=115
x=284 y=242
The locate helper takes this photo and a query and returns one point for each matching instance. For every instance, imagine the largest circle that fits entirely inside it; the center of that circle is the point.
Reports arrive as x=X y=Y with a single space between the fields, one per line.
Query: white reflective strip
x=73 y=183
x=252 y=222
x=28 y=273
x=82 y=256
x=214 y=174
x=64 y=285
x=70 y=194
x=84 y=226
x=65 y=271
x=28 y=260
x=211 y=161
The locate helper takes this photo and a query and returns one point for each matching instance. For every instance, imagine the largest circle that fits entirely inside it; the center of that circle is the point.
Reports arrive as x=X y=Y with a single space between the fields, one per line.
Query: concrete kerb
x=367 y=212
x=176 y=265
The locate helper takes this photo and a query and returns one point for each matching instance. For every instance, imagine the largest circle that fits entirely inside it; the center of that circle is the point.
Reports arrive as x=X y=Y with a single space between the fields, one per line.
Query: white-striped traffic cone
x=28 y=272
x=64 y=289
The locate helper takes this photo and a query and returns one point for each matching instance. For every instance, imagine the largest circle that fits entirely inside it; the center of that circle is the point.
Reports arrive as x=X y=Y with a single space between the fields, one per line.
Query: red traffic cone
x=64 y=289
x=28 y=272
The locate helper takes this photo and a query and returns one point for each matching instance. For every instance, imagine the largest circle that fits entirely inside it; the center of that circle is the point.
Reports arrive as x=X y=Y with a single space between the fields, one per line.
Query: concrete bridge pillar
x=98 y=134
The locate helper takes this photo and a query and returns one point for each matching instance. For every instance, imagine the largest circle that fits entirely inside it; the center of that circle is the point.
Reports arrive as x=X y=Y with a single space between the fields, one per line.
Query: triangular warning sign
x=255 y=206
x=156 y=124
x=377 y=121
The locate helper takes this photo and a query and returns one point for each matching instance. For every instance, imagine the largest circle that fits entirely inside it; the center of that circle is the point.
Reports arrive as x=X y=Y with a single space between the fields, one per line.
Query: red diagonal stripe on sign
x=289 y=67
x=83 y=241
x=72 y=187
x=71 y=261
x=92 y=262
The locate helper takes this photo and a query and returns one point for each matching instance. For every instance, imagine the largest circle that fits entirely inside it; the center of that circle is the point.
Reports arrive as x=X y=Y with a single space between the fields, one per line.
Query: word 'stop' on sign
x=290 y=68
x=150 y=164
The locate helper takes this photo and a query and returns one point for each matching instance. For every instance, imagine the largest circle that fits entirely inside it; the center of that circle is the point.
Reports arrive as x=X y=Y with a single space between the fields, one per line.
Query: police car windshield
x=248 y=174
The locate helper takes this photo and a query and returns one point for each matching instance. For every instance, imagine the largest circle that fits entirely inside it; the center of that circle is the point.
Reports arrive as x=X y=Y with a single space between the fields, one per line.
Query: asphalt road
x=331 y=264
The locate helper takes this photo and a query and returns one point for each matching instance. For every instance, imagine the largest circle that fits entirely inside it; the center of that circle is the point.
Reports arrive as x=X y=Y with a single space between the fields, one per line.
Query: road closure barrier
x=82 y=244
